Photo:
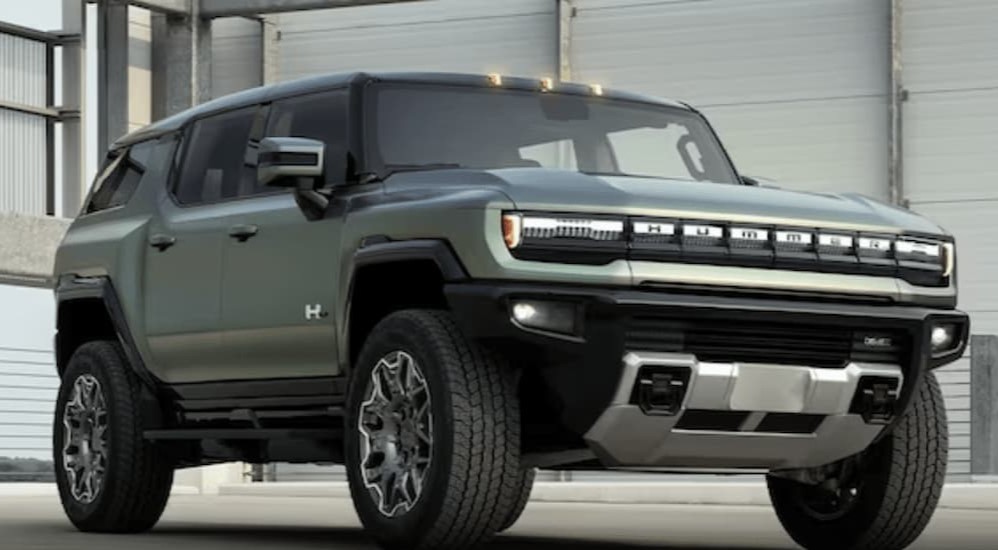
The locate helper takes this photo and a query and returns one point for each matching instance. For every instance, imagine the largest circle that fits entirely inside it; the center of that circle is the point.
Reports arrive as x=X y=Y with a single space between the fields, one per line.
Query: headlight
x=517 y=227
x=570 y=239
x=949 y=259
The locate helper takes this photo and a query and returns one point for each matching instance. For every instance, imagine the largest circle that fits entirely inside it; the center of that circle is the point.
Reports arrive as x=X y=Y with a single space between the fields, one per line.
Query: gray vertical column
x=112 y=72
x=181 y=63
x=74 y=86
x=984 y=405
x=271 y=49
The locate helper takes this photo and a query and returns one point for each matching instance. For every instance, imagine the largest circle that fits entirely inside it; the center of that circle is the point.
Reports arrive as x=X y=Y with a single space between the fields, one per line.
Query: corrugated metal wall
x=28 y=381
x=23 y=172
x=950 y=53
x=796 y=88
x=237 y=55
x=513 y=36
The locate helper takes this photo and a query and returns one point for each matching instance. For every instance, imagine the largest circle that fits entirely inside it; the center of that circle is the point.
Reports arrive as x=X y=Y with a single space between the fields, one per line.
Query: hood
x=542 y=189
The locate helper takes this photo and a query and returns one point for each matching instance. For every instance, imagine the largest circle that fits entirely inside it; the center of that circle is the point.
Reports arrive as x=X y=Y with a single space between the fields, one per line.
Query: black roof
x=272 y=92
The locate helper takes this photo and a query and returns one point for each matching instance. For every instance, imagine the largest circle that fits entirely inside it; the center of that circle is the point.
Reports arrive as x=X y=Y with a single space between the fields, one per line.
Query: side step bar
x=246 y=434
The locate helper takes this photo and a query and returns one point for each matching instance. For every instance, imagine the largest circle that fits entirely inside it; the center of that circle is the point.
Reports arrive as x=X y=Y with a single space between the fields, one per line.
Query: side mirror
x=749 y=180
x=298 y=163
x=285 y=161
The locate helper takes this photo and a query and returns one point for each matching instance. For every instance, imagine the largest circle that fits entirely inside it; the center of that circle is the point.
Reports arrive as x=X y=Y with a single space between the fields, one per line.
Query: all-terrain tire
x=900 y=485
x=467 y=494
x=523 y=486
x=139 y=475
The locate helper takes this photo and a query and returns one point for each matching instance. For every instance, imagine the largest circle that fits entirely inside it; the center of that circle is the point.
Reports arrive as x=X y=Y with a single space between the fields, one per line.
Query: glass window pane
x=321 y=116
x=215 y=166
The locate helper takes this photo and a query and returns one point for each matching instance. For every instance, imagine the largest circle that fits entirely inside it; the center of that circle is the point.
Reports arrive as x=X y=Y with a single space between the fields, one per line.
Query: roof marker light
x=597 y=89
x=495 y=79
x=547 y=84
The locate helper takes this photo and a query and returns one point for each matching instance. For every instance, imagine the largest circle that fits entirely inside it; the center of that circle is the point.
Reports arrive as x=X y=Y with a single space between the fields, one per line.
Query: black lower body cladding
x=582 y=372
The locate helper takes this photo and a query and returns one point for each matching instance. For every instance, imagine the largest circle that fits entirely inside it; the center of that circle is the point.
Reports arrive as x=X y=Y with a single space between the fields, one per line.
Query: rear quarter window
x=120 y=177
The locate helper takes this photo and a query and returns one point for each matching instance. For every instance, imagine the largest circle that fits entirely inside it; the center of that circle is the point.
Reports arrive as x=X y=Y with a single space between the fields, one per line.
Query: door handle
x=161 y=242
x=242 y=232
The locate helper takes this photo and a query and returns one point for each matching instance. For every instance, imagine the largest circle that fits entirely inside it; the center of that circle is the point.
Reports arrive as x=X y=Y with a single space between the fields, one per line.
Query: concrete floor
x=247 y=523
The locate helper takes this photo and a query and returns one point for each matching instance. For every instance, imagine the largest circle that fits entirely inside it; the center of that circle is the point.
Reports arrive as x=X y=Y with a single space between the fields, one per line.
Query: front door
x=280 y=271
x=183 y=268
x=278 y=291
x=183 y=276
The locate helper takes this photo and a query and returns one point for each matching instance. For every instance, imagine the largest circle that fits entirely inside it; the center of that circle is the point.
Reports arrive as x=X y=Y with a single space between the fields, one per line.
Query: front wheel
x=887 y=500
x=432 y=435
x=110 y=479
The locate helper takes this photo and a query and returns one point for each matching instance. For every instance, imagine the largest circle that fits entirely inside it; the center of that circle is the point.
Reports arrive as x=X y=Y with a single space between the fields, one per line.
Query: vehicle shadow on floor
x=329 y=538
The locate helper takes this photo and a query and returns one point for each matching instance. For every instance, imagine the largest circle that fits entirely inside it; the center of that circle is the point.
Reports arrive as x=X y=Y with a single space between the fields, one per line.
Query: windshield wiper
x=642 y=176
x=396 y=168
x=617 y=174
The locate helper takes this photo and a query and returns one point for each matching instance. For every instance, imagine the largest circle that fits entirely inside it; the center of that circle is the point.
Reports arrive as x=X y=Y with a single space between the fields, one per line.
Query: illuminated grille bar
x=567 y=238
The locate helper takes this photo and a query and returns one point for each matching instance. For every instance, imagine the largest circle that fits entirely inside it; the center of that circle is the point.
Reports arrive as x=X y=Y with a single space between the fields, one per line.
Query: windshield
x=422 y=126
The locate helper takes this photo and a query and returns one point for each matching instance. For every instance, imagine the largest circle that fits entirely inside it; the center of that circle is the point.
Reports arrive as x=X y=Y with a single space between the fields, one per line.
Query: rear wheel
x=884 y=500
x=110 y=479
x=432 y=435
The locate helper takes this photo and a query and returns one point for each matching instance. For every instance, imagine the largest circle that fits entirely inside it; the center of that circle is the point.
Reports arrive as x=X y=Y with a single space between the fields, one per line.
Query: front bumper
x=739 y=412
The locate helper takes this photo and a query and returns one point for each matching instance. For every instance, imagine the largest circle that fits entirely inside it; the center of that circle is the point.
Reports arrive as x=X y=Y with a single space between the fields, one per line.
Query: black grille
x=754 y=341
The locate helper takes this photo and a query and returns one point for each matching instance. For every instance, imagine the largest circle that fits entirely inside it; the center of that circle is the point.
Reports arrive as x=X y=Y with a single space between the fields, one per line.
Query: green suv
x=444 y=282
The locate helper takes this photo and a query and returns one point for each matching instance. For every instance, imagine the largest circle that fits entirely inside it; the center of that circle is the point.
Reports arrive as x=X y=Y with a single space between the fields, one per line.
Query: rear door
x=183 y=269
x=280 y=271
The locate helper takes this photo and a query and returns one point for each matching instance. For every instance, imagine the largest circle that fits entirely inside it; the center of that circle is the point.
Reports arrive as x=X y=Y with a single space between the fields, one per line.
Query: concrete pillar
x=271 y=37
x=181 y=63
x=112 y=71
x=984 y=405
x=74 y=93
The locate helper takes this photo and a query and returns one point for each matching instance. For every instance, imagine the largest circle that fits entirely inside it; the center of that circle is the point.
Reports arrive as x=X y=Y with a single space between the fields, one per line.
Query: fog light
x=550 y=316
x=942 y=337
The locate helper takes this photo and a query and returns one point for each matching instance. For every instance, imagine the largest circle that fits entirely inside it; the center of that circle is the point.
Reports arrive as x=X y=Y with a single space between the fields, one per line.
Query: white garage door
x=796 y=88
x=237 y=53
x=28 y=381
x=481 y=36
x=951 y=137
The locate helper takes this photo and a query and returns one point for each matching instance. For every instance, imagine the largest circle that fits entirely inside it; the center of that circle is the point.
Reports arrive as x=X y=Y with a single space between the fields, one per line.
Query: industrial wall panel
x=22 y=71
x=826 y=146
x=950 y=45
x=510 y=37
x=308 y=472
x=950 y=141
x=955 y=382
x=725 y=51
x=237 y=55
x=28 y=381
x=797 y=88
x=23 y=166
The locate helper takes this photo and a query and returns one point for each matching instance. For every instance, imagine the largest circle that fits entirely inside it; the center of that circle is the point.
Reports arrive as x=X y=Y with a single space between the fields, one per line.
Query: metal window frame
x=49 y=112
